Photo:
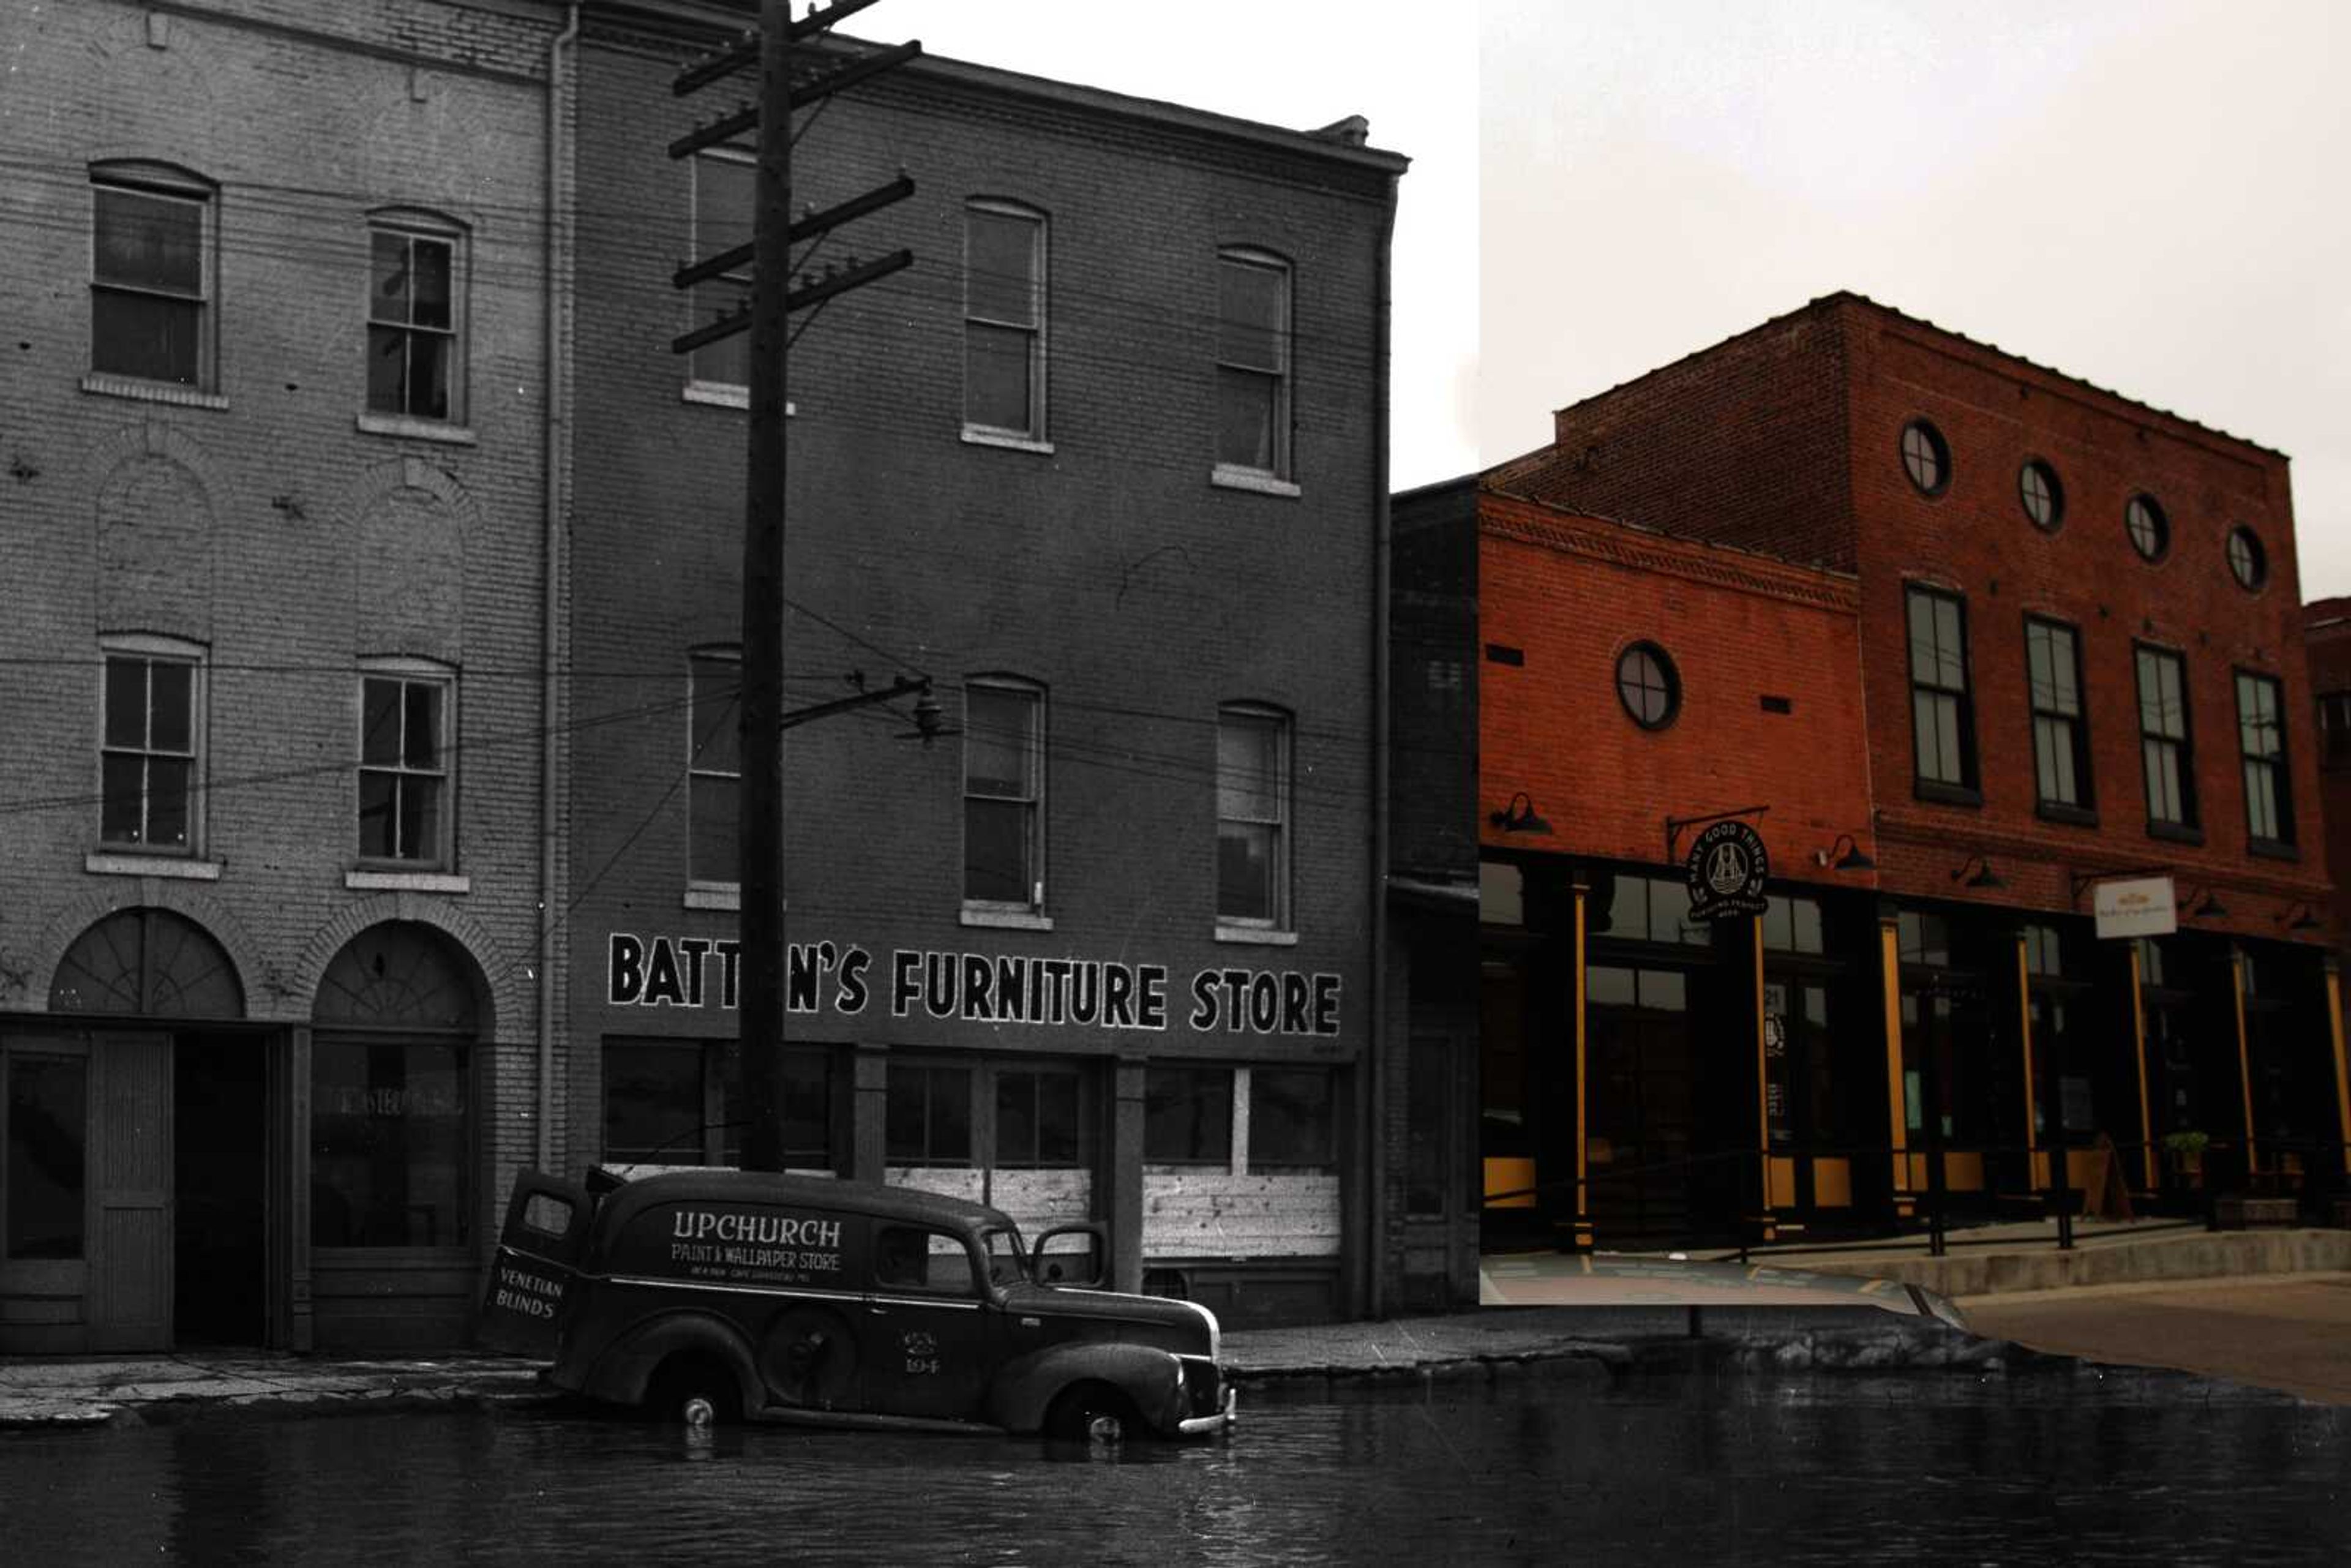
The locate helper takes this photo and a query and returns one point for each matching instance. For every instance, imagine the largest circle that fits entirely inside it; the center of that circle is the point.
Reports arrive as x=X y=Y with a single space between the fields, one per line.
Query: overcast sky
x=2154 y=196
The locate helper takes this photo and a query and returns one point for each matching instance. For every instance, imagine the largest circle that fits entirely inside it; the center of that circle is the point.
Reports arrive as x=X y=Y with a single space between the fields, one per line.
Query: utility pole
x=773 y=300
x=761 y=1019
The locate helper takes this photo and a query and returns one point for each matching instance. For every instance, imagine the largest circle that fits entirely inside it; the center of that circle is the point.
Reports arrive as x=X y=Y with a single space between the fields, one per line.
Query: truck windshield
x=1007 y=1261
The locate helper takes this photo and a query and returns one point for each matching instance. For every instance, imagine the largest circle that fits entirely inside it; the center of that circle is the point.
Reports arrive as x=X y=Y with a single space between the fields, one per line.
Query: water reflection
x=2035 y=1469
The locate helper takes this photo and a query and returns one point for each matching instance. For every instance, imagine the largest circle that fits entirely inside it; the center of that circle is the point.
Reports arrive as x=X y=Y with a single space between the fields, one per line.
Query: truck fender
x=1024 y=1389
x=623 y=1371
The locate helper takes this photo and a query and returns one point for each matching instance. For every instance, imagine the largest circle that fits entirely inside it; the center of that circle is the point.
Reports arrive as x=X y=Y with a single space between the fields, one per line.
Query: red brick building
x=274 y=843
x=1106 y=465
x=2073 y=658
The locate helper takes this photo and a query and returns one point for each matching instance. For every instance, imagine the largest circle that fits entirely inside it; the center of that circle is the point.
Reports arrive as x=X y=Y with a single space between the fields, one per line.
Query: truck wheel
x=1090 y=1412
x=694 y=1391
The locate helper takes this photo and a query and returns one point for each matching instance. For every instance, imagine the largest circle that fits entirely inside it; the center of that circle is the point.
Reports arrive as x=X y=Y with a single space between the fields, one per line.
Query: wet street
x=2054 y=1466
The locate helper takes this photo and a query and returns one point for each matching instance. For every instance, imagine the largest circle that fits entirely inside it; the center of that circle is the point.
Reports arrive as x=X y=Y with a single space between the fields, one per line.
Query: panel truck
x=711 y=1295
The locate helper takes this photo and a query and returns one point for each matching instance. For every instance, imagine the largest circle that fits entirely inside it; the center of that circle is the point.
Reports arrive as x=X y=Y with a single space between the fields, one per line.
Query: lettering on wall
x=975 y=988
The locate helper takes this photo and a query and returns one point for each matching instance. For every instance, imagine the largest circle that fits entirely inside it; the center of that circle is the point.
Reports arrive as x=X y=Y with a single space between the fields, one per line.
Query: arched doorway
x=394 y=1138
x=135 y=1178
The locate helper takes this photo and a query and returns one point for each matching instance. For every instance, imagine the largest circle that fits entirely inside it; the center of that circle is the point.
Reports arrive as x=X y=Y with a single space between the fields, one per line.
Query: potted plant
x=2185 y=1154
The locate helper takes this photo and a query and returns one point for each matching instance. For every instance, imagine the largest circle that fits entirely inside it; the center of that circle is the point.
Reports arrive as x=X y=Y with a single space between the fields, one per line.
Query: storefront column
x=2244 y=1058
x=2138 y=1055
x=1579 y=1238
x=1125 y=1184
x=869 y=1148
x=2036 y=1171
x=2342 y=1078
x=1763 y=1225
x=1889 y=965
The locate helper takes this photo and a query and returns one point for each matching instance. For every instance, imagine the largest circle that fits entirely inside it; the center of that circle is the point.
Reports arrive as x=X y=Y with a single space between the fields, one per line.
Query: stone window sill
x=713 y=896
x=1255 y=936
x=2175 y=833
x=363 y=881
x=413 y=429
x=1225 y=476
x=1947 y=794
x=2273 y=849
x=973 y=435
x=1006 y=919
x=106 y=862
x=110 y=385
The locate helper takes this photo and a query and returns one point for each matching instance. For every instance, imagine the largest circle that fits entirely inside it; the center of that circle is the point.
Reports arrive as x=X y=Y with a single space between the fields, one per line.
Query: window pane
x=420 y=819
x=1808 y=926
x=139 y=335
x=654 y=1103
x=47 y=1128
x=1290 y=1119
x=147 y=241
x=1245 y=412
x=421 y=740
x=950 y=1095
x=997 y=742
x=1606 y=986
x=380 y=722
x=1249 y=311
x=1245 y=870
x=428 y=376
x=716 y=715
x=713 y=813
x=999 y=279
x=389 y=1145
x=429 y=285
x=388 y=294
x=1187 y=1115
x=1248 y=768
x=167 y=801
x=1060 y=1127
x=171 y=688
x=387 y=370
x=906 y=1116
x=996 y=393
x=1669 y=920
x=126 y=701
x=1664 y=990
x=996 y=852
x=1016 y=1118
x=122 y=812
x=376 y=824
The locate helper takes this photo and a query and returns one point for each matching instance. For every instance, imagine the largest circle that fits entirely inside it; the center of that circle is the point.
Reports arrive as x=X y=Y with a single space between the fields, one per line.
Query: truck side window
x=907 y=1257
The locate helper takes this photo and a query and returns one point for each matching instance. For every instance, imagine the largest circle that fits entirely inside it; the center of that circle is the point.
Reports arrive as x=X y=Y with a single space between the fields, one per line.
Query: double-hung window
x=405 y=723
x=1253 y=381
x=2165 y=750
x=2261 y=737
x=153 y=741
x=416 y=366
x=722 y=200
x=1252 y=817
x=713 y=767
x=2061 y=747
x=1004 y=321
x=150 y=276
x=1003 y=796
x=1942 y=713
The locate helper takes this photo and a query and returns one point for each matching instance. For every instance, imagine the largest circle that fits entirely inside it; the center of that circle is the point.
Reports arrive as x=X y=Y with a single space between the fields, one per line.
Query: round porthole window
x=2149 y=529
x=1648 y=685
x=2042 y=496
x=1925 y=458
x=2247 y=564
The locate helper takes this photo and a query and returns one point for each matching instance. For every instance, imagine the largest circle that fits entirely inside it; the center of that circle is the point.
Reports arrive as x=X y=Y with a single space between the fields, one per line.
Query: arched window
x=148 y=962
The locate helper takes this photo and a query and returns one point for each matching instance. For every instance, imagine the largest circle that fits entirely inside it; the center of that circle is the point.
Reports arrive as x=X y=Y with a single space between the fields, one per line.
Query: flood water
x=1547 y=1468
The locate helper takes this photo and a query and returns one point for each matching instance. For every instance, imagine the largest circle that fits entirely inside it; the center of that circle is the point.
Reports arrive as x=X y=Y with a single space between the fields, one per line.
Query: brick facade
x=1100 y=563
x=254 y=520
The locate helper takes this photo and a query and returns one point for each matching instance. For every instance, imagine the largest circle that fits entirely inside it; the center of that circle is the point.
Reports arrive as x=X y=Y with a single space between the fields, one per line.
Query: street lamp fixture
x=1844 y=855
x=1981 y=876
x=2203 y=905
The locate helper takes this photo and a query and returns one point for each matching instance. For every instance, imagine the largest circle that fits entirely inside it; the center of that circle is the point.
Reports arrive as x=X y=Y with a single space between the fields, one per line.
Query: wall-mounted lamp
x=2202 y=904
x=1518 y=817
x=2304 y=918
x=1975 y=871
x=1844 y=855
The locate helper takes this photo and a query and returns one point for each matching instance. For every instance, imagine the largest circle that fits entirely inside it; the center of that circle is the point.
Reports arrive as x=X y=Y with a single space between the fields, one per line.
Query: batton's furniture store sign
x=975 y=988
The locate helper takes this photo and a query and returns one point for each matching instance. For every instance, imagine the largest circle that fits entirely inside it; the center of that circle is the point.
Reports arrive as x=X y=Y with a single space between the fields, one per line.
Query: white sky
x=2154 y=195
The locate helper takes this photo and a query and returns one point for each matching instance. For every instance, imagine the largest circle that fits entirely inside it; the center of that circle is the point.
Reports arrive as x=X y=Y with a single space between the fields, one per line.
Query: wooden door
x=130 y=1194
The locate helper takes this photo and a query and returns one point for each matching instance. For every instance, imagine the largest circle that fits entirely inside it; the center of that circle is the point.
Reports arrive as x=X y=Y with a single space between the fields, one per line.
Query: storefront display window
x=1290 y=1120
x=389 y=1157
x=674 y=1103
x=1187 y=1115
x=928 y=1119
x=48 y=1100
x=1038 y=1125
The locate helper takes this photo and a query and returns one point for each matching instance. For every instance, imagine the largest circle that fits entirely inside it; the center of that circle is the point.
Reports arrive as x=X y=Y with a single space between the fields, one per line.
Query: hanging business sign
x=1725 y=871
x=2136 y=906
